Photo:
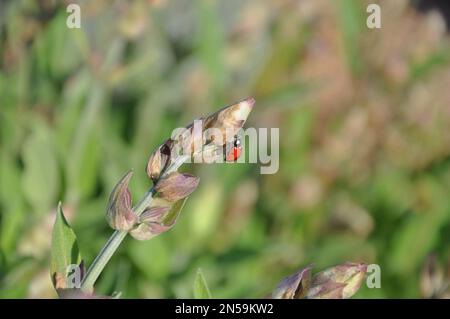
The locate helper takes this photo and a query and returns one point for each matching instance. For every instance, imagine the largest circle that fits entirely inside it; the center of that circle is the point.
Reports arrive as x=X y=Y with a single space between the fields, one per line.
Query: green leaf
x=84 y=157
x=83 y=166
x=201 y=290
x=174 y=212
x=351 y=25
x=40 y=178
x=64 y=249
x=211 y=44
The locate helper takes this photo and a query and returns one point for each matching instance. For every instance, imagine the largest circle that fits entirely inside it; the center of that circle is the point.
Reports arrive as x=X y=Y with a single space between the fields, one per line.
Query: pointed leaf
x=40 y=177
x=201 y=290
x=174 y=212
x=64 y=250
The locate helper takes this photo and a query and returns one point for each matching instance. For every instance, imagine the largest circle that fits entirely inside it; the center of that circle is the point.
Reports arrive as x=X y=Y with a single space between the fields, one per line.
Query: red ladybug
x=235 y=151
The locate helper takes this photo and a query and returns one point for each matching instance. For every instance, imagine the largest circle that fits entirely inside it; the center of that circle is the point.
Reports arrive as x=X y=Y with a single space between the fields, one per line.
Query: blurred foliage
x=364 y=119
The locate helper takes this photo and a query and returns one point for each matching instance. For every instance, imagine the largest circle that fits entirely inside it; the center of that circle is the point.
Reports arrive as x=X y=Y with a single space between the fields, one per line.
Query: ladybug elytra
x=235 y=150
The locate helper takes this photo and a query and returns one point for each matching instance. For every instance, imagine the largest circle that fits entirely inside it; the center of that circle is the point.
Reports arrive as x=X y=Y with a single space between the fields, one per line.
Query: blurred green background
x=364 y=119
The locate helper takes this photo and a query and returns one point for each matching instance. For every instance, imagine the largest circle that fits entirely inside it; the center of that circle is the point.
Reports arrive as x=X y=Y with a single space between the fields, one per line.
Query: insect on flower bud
x=119 y=214
x=219 y=129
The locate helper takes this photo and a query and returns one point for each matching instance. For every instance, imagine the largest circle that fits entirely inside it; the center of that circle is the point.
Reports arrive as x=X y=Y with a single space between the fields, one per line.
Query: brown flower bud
x=159 y=160
x=154 y=214
x=295 y=286
x=176 y=186
x=229 y=119
x=224 y=123
x=157 y=220
x=119 y=214
x=339 y=282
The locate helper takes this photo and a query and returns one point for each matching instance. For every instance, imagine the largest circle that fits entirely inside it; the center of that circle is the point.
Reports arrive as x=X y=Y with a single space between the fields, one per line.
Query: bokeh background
x=364 y=118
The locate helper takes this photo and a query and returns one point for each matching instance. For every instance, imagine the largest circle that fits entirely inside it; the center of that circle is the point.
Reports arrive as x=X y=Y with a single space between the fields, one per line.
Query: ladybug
x=235 y=151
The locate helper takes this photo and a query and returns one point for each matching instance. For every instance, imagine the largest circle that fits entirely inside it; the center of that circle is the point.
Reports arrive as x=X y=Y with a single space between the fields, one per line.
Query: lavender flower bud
x=176 y=186
x=119 y=214
x=339 y=282
x=157 y=220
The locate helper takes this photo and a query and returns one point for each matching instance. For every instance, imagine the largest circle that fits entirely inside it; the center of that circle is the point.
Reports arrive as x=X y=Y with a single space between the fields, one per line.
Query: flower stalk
x=117 y=237
x=110 y=247
x=169 y=187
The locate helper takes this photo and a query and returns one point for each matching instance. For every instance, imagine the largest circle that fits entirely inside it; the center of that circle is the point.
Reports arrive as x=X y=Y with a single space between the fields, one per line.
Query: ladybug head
x=237 y=141
x=233 y=154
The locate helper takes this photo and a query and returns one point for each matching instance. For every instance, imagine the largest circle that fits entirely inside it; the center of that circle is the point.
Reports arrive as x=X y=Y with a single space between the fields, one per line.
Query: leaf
x=41 y=175
x=64 y=250
x=84 y=157
x=201 y=290
x=351 y=23
x=13 y=210
x=211 y=43
x=174 y=212
x=83 y=164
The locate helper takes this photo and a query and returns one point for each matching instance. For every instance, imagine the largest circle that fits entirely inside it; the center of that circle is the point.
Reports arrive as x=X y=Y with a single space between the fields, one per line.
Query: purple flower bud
x=338 y=282
x=119 y=214
x=159 y=160
x=157 y=220
x=295 y=286
x=176 y=186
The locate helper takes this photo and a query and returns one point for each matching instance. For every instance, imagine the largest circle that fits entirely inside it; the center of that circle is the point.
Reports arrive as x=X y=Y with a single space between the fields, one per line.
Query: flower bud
x=226 y=122
x=295 y=286
x=230 y=119
x=154 y=214
x=176 y=186
x=119 y=214
x=159 y=160
x=339 y=282
x=157 y=220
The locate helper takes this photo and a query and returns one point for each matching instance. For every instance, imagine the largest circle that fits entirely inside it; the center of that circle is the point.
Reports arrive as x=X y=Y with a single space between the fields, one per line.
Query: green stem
x=111 y=246
x=102 y=259
x=117 y=237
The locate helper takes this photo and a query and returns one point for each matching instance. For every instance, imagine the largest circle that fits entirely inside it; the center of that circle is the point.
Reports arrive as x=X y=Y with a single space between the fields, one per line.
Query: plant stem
x=117 y=237
x=102 y=259
x=111 y=246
